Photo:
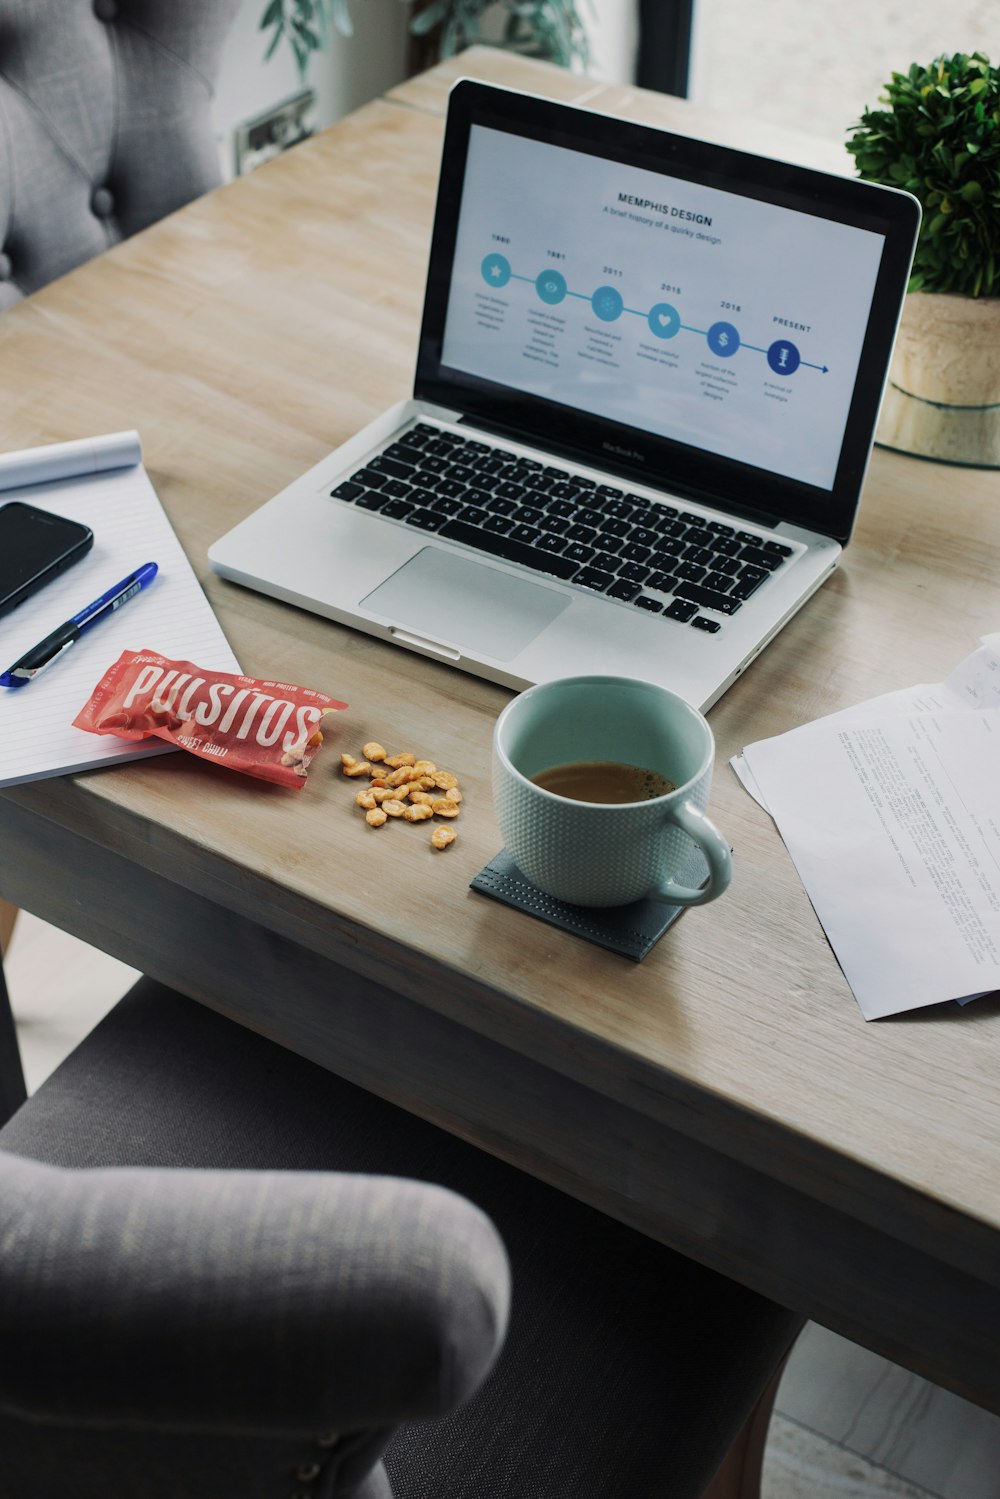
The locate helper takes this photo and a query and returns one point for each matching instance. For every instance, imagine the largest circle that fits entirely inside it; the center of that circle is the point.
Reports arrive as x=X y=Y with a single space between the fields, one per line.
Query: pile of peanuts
x=405 y=787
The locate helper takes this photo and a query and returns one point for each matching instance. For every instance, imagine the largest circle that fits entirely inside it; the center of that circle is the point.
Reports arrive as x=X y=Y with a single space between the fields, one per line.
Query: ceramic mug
x=607 y=853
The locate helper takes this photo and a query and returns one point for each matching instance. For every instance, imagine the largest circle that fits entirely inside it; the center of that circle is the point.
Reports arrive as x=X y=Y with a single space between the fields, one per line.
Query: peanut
x=375 y=817
x=359 y=768
x=365 y=799
x=441 y=837
x=445 y=779
x=453 y=794
x=373 y=750
x=397 y=761
x=444 y=808
x=418 y=813
x=393 y=808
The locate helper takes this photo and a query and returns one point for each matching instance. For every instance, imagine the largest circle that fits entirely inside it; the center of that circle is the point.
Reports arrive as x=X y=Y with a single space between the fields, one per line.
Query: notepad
x=102 y=482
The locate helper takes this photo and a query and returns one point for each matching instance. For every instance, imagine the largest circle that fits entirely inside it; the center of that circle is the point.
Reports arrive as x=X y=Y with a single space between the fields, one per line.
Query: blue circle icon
x=783 y=357
x=723 y=340
x=550 y=286
x=496 y=270
x=663 y=320
x=607 y=303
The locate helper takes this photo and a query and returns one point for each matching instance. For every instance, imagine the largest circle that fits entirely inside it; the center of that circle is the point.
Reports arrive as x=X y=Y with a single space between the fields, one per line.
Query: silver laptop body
x=647 y=385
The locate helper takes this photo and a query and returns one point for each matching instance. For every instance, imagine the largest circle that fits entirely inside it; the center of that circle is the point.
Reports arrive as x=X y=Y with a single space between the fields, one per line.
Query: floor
x=848 y=1425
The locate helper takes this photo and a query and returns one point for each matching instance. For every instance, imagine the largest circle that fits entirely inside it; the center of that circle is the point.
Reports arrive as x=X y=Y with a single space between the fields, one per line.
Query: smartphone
x=35 y=546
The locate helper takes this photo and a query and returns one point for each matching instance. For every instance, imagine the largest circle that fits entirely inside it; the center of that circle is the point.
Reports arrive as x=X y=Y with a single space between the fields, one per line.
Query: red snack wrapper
x=264 y=729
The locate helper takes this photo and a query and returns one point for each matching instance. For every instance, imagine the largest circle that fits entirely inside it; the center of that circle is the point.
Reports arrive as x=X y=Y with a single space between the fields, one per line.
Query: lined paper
x=102 y=483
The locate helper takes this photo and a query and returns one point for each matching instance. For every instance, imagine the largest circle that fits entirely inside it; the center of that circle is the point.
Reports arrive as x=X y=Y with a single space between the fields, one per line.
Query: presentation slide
x=695 y=314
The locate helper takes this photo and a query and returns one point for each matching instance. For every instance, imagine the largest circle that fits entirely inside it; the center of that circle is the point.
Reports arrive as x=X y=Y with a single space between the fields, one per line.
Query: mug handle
x=717 y=854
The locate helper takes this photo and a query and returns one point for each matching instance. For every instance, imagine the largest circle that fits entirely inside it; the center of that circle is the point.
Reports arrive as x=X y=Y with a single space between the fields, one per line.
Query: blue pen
x=41 y=656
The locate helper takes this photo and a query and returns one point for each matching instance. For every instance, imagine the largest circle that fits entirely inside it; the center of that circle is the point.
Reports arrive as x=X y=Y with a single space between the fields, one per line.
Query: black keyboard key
x=552 y=541
x=670 y=546
x=779 y=547
x=697 y=594
x=568 y=489
x=609 y=541
x=441 y=505
x=633 y=572
x=472 y=515
x=661 y=582
x=608 y=492
x=621 y=588
x=728 y=566
x=349 y=490
x=462 y=472
x=478 y=496
x=613 y=527
x=618 y=510
x=395 y=489
x=761 y=558
x=718 y=582
x=606 y=561
x=594 y=577
x=370 y=499
x=501 y=524
x=720 y=528
x=579 y=552
x=397 y=509
x=710 y=626
x=370 y=478
x=588 y=516
x=450 y=488
x=390 y=466
x=401 y=450
x=748 y=538
x=523 y=532
x=586 y=534
x=561 y=508
x=728 y=546
x=425 y=520
x=432 y=464
x=697 y=536
x=643 y=536
x=652 y=606
x=489 y=465
x=507 y=548
x=680 y=609
x=741 y=589
x=675 y=529
x=529 y=515
x=689 y=571
x=417 y=436
x=700 y=556
x=508 y=491
x=632 y=551
x=754 y=575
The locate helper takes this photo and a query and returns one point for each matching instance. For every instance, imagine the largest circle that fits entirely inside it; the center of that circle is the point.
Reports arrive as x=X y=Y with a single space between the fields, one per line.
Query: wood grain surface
x=725 y=1094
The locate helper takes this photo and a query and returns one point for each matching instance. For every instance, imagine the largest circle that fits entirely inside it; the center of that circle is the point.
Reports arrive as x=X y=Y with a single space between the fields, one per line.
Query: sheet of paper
x=893 y=822
x=173 y=616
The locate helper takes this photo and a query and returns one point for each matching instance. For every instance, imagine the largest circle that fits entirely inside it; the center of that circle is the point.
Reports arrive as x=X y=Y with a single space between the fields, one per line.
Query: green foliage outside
x=939 y=138
x=551 y=29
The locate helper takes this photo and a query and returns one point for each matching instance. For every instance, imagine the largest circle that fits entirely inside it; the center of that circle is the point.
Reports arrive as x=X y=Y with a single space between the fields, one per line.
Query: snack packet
x=264 y=729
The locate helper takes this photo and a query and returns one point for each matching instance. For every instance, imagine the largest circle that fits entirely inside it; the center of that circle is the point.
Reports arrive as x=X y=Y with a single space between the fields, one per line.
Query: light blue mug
x=607 y=853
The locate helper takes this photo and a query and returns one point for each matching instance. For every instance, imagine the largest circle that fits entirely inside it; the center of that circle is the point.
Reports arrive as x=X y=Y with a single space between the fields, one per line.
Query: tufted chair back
x=104 y=125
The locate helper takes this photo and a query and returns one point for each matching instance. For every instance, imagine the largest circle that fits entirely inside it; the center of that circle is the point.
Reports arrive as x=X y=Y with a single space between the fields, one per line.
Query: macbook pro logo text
x=614 y=447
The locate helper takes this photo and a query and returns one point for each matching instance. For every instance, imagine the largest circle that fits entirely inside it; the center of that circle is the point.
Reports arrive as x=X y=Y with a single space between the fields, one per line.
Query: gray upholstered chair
x=105 y=125
x=192 y=1307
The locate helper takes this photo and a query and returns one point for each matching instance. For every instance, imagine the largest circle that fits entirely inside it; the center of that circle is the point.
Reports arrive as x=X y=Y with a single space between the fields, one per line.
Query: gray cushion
x=627 y=1369
x=105 y=125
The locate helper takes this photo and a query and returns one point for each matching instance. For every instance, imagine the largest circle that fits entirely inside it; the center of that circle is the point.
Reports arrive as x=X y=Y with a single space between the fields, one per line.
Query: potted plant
x=938 y=137
x=550 y=29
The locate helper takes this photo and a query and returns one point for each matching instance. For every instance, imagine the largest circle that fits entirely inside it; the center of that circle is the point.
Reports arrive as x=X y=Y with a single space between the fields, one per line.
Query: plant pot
x=943 y=396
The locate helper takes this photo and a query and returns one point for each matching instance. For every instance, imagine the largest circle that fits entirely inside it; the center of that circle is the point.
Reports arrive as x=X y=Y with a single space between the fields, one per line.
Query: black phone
x=35 y=546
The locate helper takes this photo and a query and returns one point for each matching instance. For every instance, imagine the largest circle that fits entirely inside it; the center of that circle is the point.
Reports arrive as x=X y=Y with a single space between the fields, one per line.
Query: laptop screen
x=715 y=321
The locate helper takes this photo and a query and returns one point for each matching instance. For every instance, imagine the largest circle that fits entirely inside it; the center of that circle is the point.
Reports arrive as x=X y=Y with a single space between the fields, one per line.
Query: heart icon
x=663 y=319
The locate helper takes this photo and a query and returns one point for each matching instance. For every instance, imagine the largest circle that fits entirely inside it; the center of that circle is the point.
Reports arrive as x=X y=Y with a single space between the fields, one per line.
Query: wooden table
x=725 y=1095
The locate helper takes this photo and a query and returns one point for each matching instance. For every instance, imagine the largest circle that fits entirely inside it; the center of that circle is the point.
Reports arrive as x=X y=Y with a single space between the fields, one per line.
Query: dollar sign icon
x=723 y=339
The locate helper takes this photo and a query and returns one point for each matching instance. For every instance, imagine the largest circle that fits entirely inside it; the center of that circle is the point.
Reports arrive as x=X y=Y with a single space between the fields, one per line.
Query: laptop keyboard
x=640 y=552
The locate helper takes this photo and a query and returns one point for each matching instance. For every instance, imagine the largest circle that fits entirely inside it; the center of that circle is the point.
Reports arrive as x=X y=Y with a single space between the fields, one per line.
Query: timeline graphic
x=663 y=319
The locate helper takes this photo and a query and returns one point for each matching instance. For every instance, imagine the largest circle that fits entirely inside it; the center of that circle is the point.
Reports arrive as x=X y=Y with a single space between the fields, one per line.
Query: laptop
x=646 y=390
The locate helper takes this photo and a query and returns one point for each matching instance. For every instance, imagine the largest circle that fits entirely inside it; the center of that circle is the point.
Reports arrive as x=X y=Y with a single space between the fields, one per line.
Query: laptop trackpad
x=443 y=598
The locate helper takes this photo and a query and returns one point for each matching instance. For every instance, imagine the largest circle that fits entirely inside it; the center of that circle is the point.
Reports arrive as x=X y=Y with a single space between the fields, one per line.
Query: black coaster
x=628 y=930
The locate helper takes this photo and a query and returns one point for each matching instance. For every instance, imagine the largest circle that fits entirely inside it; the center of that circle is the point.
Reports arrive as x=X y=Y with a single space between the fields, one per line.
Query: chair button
x=106 y=10
x=102 y=203
x=6 y=269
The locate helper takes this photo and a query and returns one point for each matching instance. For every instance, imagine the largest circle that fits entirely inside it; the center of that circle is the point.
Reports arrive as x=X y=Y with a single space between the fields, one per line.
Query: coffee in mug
x=600 y=785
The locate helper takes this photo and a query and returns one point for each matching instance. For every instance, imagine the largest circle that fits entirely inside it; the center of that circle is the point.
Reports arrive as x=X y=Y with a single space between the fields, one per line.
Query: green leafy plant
x=551 y=29
x=939 y=138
